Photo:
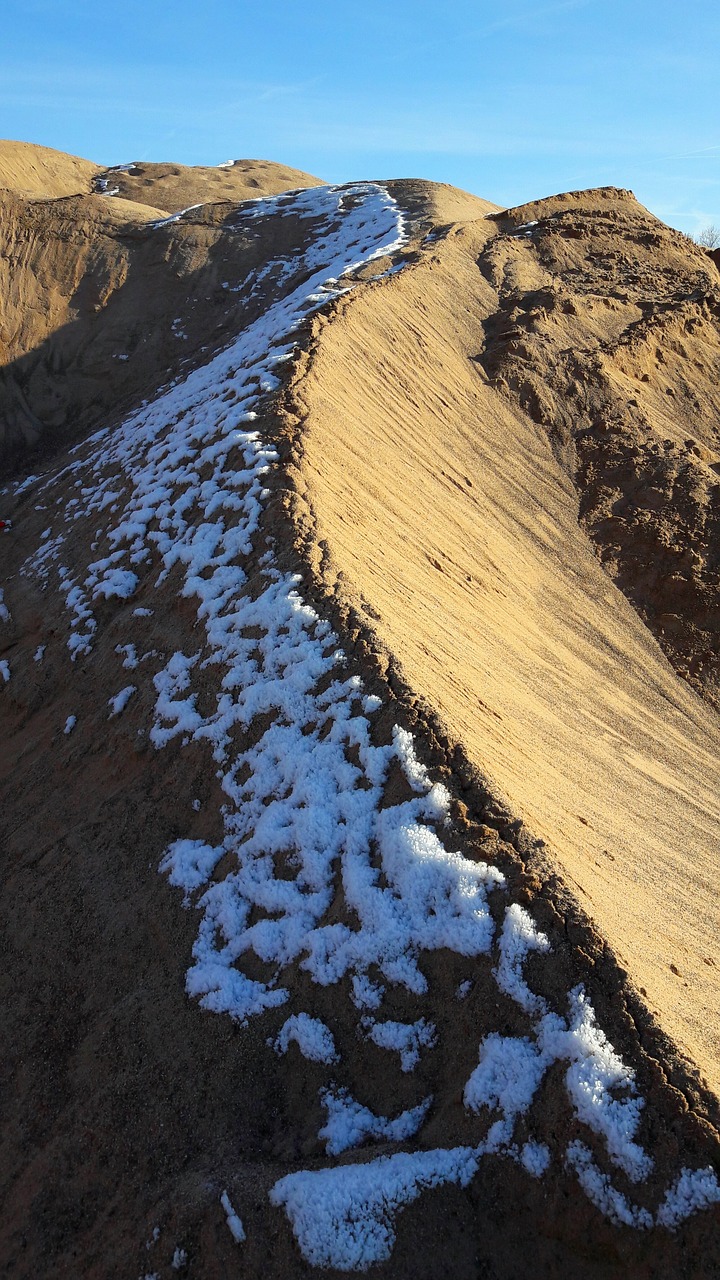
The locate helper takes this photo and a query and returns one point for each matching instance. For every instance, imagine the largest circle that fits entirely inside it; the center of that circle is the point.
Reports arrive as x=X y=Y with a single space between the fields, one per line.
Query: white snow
x=535 y=1157
x=312 y=1037
x=5 y=670
x=39 y=653
x=179 y=1259
x=129 y=654
x=70 y=724
x=190 y=863
x=342 y=1217
x=4 y=611
x=366 y=994
x=511 y=1069
x=519 y=937
x=406 y=1038
x=349 y=1123
x=599 y=1188
x=695 y=1189
x=595 y=1070
x=507 y=1076
x=237 y=1230
x=121 y=699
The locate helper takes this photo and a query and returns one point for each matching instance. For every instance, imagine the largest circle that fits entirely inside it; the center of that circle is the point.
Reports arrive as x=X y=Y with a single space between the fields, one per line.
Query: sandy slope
x=176 y=186
x=446 y=511
x=157 y=559
x=41 y=172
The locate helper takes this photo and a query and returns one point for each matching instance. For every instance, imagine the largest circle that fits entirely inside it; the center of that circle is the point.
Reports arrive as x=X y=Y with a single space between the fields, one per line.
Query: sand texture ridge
x=360 y=730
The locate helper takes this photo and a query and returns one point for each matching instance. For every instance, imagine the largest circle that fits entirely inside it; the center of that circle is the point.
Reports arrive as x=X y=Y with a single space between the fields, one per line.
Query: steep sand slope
x=444 y=510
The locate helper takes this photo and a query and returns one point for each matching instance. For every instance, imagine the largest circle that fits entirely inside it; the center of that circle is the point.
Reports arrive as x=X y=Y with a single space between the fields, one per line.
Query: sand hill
x=358 y=683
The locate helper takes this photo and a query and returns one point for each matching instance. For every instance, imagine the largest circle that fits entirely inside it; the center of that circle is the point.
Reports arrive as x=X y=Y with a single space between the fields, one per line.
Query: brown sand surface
x=41 y=172
x=177 y=186
x=442 y=510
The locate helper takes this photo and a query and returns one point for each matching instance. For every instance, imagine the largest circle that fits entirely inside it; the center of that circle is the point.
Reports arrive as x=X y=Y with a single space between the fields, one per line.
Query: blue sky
x=510 y=100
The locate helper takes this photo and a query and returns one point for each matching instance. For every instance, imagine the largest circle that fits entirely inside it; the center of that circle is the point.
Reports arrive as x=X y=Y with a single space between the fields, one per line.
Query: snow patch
x=312 y=1037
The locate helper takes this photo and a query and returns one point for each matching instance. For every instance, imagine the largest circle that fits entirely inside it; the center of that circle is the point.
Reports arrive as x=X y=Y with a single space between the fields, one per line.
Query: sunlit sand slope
x=42 y=173
x=443 y=510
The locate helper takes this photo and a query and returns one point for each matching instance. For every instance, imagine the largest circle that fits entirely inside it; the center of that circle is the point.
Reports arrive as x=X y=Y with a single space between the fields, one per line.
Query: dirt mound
x=176 y=186
x=361 y=1009
x=42 y=173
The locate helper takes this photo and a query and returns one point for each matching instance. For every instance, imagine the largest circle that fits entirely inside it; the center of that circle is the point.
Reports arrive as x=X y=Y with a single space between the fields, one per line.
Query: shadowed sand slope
x=442 y=509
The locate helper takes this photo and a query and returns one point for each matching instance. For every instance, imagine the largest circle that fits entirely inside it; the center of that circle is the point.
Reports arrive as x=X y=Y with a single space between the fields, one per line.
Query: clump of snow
x=463 y=989
x=312 y=1037
x=237 y=1230
x=142 y=613
x=130 y=658
x=507 y=1076
x=595 y=1069
x=535 y=1157
x=39 y=653
x=179 y=1259
x=121 y=699
x=406 y=1038
x=342 y=1217
x=116 y=582
x=598 y=1188
x=4 y=611
x=70 y=724
x=190 y=863
x=694 y=1189
x=511 y=1068
x=366 y=994
x=349 y=1123
x=519 y=937
x=5 y=670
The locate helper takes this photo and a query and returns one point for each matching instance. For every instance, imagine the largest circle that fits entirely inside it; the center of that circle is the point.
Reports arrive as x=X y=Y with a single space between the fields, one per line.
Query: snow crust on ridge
x=179 y=489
